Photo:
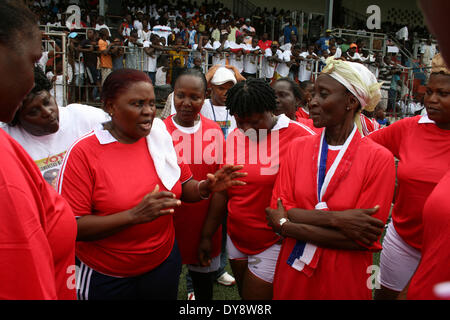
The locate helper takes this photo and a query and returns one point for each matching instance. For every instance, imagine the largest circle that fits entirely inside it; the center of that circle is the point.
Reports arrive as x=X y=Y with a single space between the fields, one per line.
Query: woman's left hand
x=224 y=178
x=274 y=215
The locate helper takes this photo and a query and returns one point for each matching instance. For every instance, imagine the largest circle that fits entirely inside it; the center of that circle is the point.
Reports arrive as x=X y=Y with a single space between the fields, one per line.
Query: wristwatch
x=281 y=222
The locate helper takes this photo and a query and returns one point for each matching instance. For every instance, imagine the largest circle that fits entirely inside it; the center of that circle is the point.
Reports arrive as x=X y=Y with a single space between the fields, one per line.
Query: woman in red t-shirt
x=327 y=188
x=422 y=145
x=290 y=97
x=200 y=143
x=252 y=246
x=434 y=267
x=122 y=181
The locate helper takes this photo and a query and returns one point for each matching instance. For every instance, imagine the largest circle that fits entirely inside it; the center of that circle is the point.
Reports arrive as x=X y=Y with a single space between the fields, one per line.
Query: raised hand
x=224 y=178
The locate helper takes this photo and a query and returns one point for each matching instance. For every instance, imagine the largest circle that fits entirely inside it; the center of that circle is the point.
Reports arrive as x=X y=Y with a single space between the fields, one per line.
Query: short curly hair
x=41 y=83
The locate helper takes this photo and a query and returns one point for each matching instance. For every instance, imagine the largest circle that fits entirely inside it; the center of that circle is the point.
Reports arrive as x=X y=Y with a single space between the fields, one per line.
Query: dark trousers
x=160 y=283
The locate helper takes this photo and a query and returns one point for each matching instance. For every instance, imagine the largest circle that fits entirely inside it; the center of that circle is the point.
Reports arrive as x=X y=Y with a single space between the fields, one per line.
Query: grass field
x=220 y=292
x=229 y=293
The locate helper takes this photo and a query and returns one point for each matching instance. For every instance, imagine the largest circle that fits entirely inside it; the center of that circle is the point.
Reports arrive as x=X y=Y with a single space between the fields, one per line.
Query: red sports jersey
x=368 y=125
x=37 y=232
x=247 y=223
x=301 y=113
x=434 y=266
x=308 y=122
x=102 y=176
x=423 y=151
x=204 y=156
x=340 y=274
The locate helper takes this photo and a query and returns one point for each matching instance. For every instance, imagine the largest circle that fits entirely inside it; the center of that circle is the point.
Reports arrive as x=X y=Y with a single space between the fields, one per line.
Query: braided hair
x=249 y=97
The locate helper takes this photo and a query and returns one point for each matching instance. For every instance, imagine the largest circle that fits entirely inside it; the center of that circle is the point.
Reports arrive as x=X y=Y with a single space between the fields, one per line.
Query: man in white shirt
x=351 y=54
x=101 y=24
x=251 y=58
x=307 y=64
x=220 y=47
x=270 y=61
x=237 y=52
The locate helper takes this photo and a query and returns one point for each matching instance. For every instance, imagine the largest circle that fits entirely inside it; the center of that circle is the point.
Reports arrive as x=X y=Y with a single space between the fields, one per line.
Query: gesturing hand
x=224 y=178
x=153 y=205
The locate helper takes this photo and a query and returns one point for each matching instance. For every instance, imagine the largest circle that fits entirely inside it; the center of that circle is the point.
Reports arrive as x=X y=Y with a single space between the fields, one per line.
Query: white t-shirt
x=144 y=36
x=236 y=61
x=220 y=115
x=102 y=26
x=251 y=60
x=162 y=31
x=58 y=89
x=160 y=77
x=269 y=66
x=48 y=151
x=149 y=62
x=282 y=67
x=219 y=58
x=306 y=67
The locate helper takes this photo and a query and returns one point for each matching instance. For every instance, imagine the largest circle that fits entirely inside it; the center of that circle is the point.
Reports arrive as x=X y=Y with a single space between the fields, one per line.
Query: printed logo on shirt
x=50 y=167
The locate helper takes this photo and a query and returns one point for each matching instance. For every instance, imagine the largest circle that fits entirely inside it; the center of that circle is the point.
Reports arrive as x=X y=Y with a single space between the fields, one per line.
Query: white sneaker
x=191 y=296
x=226 y=279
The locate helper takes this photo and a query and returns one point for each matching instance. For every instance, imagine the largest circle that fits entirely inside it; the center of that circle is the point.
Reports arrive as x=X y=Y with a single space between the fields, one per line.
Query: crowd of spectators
x=163 y=38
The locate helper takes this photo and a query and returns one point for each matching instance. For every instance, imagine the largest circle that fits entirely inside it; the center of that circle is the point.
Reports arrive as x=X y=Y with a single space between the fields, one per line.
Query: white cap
x=223 y=75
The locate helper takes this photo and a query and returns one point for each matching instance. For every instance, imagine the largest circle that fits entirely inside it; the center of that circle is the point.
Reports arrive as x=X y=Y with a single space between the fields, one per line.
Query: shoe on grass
x=226 y=279
x=191 y=296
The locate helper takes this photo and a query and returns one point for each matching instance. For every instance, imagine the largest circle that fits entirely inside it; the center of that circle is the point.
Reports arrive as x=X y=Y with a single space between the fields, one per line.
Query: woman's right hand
x=204 y=251
x=358 y=225
x=153 y=205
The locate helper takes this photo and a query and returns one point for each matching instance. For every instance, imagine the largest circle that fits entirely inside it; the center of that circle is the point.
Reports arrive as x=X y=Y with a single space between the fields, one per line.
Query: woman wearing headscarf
x=422 y=145
x=123 y=182
x=332 y=195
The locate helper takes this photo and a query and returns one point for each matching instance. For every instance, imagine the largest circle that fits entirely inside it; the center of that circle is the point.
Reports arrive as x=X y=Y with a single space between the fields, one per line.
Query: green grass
x=220 y=292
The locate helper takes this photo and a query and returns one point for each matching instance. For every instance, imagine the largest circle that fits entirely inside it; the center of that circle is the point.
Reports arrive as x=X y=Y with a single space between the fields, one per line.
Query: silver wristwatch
x=281 y=222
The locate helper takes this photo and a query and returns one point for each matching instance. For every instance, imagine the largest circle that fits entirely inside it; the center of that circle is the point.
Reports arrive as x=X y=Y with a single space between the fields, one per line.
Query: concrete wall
x=319 y=6
x=310 y=6
x=403 y=9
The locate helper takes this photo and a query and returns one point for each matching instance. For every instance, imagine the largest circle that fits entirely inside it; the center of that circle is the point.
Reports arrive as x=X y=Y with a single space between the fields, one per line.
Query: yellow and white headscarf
x=438 y=65
x=359 y=80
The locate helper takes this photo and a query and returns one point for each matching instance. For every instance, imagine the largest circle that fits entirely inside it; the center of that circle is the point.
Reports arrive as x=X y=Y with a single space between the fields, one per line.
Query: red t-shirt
x=37 y=233
x=368 y=125
x=301 y=113
x=203 y=157
x=264 y=44
x=102 y=176
x=340 y=274
x=434 y=266
x=423 y=151
x=247 y=223
x=310 y=124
